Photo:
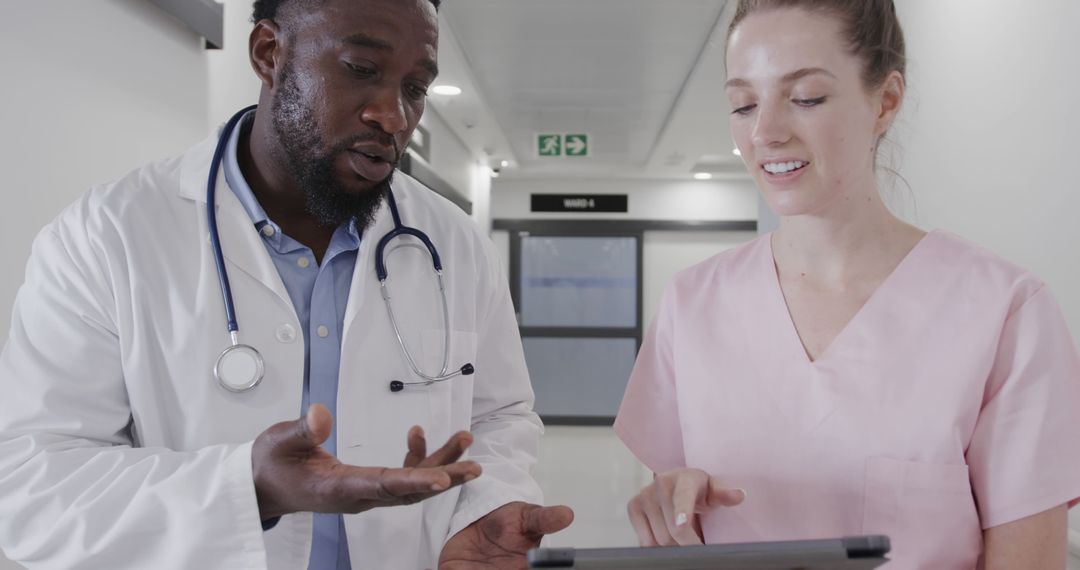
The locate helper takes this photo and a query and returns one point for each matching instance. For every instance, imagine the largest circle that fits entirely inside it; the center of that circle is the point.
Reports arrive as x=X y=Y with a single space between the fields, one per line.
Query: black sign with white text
x=579 y=203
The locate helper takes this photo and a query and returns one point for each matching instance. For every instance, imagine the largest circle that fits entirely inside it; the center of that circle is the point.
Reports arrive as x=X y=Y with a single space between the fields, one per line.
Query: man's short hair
x=268 y=9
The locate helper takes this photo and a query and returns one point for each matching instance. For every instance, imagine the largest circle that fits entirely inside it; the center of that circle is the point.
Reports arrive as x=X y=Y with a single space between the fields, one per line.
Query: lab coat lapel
x=241 y=245
x=364 y=271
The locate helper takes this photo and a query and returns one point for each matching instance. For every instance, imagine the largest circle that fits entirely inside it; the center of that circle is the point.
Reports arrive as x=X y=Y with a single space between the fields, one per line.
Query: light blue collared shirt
x=319 y=294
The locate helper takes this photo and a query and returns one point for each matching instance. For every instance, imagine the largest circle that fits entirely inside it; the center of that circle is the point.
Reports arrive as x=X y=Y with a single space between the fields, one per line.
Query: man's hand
x=293 y=474
x=499 y=540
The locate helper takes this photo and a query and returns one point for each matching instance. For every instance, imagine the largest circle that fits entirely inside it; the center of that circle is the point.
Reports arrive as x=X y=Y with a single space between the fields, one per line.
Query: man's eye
x=361 y=70
x=415 y=92
x=744 y=110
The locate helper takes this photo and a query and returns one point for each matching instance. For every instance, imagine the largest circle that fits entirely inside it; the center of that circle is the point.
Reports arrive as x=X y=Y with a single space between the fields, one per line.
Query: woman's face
x=803 y=120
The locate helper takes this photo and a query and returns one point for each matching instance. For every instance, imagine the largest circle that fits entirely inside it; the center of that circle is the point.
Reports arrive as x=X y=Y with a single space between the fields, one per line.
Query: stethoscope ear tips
x=398 y=385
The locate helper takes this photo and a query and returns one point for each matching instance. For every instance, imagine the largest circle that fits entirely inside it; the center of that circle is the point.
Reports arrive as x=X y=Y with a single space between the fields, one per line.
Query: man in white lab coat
x=119 y=448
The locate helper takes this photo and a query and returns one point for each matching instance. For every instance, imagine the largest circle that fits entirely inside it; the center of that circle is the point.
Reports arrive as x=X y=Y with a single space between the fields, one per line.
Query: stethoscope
x=240 y=367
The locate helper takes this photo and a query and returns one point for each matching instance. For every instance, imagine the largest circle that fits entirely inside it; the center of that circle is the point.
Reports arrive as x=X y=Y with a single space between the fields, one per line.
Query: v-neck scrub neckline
x=882 y=290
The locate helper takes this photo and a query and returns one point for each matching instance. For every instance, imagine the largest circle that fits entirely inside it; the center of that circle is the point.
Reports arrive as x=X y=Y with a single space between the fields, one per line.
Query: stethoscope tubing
x=211 y=221
x=236 y=348
x=382 y=273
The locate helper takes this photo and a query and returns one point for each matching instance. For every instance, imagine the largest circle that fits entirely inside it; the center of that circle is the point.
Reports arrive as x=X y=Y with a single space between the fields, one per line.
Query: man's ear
x=264 y=50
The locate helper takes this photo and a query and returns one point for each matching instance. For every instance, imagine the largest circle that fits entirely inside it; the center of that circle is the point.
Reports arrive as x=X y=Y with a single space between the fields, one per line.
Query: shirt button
x=322 y=331
x=268 y=230
x=285 y=333
x=303 y=262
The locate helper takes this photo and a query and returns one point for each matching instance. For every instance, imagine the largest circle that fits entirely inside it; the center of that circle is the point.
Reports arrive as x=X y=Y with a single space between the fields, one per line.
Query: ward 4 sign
x=550 y=145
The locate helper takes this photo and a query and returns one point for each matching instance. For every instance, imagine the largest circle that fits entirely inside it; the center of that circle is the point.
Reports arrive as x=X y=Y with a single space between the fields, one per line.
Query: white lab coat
x=118 y=449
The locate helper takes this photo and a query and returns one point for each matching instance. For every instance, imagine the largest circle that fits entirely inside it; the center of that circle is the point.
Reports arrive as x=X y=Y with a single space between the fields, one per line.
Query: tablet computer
x=851 y=553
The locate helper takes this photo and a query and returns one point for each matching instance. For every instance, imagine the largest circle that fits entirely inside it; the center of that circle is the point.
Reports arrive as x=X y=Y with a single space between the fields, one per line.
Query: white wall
x=91 y=90
x=458 y=166
x=989 y=131
x=449 y=156
x=989 y=134
x=233 y=84
x=481 y=195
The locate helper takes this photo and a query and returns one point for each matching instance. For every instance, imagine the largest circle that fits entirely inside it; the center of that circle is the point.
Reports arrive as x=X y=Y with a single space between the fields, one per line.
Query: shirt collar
x=234 y=177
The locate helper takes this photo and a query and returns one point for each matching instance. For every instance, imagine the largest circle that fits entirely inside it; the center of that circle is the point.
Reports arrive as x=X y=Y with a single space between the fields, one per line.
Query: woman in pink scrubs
x=849 y=373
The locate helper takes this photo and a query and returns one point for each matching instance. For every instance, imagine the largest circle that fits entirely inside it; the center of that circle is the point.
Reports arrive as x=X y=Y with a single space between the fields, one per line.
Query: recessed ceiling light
x=736 y=152
x=505 y=163
x=703 y=176
x=446 y=90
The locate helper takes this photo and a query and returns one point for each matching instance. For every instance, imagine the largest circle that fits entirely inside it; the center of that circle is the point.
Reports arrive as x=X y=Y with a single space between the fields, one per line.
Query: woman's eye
x=809 y=102
x=744 y=110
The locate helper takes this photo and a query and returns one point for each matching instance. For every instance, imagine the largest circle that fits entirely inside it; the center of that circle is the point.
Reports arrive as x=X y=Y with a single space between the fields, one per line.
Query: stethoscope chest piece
x=239 y=368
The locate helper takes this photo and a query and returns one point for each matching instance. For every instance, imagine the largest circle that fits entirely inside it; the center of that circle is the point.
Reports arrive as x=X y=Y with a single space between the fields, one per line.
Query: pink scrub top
x=949 y=404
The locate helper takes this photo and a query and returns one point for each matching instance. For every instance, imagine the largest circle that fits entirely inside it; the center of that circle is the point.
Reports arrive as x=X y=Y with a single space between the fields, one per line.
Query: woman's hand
x=665 y=512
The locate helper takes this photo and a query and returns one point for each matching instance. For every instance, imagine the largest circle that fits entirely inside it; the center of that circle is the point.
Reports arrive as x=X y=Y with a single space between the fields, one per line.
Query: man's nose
x=387 y=110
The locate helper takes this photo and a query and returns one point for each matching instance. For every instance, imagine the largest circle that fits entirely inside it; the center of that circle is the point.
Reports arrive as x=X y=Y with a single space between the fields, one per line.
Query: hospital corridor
x=725 y=272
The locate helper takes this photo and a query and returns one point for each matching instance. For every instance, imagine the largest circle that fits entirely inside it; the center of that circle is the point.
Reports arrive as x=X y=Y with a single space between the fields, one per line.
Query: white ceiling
x=644 y=78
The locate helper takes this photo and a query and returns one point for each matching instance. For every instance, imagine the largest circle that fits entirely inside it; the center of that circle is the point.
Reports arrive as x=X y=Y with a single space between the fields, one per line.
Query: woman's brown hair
x=870 y=28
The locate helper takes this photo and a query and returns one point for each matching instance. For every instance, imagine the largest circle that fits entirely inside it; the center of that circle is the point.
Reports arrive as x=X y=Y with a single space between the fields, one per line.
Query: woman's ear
x=891 y=96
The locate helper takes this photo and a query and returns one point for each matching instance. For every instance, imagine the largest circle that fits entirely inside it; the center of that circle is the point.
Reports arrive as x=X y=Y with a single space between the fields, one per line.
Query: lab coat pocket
x=926 y=509
x=449 y=402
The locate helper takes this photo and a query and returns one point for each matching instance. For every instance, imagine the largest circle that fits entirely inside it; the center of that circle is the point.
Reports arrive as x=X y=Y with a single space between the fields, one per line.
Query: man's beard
x=327 y=200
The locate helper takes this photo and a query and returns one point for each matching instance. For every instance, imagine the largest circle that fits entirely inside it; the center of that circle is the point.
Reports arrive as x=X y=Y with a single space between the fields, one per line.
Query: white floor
x=589 y=469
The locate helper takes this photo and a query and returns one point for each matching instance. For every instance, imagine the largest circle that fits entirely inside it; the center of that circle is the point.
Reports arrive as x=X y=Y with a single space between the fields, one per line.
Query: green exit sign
x=562 y=144
x=576 y=145
x=549 y=144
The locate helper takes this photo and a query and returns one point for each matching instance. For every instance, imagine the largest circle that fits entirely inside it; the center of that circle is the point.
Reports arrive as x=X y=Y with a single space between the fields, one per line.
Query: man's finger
x=417 y=447
x=392 y=485
x=462 y=472
x=382 y=485
x=547 y=520
x=305 y=433
x=450 y=452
